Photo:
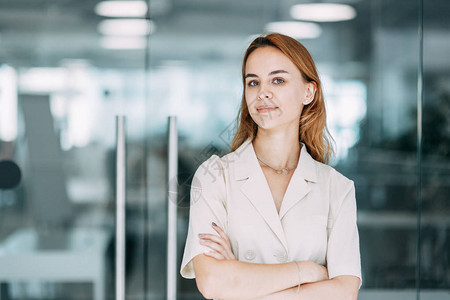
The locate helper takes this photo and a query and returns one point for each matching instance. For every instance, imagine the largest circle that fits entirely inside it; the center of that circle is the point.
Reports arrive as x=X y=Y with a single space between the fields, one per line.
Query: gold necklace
x=284 y=171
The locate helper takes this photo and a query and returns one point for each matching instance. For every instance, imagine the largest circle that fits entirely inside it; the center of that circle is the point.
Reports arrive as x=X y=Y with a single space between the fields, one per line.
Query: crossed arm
x=220 y=275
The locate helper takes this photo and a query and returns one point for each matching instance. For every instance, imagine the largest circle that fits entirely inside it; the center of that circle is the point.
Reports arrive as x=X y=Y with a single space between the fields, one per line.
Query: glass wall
x=66 y=71
x=370 y=69
x=435 y=160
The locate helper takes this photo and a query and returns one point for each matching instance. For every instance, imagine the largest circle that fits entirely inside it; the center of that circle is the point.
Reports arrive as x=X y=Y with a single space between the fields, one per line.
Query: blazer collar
x=246 y=163
x=256 y=188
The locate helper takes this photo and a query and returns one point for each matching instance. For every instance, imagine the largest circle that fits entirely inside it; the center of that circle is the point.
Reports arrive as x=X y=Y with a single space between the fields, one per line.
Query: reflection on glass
x=59 y=94
x=368 y=65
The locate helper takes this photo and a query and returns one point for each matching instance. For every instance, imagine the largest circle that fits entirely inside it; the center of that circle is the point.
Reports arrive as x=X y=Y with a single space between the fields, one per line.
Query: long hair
x=313 y=131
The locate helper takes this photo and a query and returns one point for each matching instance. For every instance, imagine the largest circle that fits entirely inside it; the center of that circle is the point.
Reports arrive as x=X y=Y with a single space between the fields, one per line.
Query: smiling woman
x=270 y=220
x=282 y=89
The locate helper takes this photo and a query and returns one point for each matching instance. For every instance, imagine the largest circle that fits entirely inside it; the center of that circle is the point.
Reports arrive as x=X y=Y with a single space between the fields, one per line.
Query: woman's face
x=275 y=91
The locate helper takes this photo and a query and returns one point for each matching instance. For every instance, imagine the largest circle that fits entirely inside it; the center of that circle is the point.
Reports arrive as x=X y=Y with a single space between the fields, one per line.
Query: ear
x=311 y=88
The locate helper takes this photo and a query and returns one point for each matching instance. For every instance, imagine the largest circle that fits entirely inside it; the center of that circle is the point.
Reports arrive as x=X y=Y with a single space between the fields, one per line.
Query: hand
x=220 y=245
x=312 y=272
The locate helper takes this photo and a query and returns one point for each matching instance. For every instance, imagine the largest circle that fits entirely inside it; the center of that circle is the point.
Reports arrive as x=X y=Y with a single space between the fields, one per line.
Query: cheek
x=249 y=98
x=248 y=93
x=293 y=102
x=293 y=112
x=292 y=107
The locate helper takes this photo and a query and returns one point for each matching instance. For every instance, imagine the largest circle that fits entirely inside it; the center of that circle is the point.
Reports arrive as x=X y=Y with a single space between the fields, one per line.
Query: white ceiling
x=43 y=32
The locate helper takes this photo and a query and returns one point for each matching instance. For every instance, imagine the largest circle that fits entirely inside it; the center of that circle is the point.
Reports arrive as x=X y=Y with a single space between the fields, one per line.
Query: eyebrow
x=271 y=73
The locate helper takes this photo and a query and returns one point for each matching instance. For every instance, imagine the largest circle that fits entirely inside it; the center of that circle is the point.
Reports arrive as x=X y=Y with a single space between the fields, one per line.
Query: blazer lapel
x=256 y=189
x=299 y=186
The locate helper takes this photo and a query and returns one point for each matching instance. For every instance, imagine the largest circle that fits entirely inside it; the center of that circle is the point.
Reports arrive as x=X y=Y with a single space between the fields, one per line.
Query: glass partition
x=67 y=69
x=435 y=159
x=369 y=65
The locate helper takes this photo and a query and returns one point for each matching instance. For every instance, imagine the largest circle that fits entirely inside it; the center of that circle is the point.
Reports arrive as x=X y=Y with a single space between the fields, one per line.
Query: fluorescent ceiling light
x=126 y=27
x=43 y=80
x=297 y=30
x=323 y=12
x=123 y=43
x=121 y=9
x=8 y=103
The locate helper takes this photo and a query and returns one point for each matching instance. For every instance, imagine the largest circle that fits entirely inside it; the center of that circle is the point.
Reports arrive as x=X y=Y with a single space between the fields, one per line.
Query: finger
x=213 y=237
x=214 y=254
x=207 y=236
x=226 y=240
x=214 y=246
x=220 y=231
x=225 y=244
x=219 y=240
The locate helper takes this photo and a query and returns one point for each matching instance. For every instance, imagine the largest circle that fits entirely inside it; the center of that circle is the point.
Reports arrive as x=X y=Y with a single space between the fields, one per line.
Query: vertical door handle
x=120 y=206
x=172 y=210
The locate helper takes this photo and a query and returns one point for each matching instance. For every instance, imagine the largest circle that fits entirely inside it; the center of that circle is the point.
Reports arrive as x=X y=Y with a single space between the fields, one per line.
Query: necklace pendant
x=285 y=171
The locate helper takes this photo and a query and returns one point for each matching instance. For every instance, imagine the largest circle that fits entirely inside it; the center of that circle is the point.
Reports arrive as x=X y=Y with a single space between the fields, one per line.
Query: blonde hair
x=313 y=131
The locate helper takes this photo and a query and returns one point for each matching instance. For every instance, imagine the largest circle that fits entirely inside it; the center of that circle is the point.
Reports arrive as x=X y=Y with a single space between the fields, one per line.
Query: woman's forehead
x=267 y=59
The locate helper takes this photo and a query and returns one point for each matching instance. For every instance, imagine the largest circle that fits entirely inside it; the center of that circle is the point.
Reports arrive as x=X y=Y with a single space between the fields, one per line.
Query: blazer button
x=249 y=255
x=281 y=257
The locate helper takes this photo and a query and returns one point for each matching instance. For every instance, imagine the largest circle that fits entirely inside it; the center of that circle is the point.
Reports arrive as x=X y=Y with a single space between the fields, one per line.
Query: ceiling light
x=43 y=80
x=298 y=30
x=8 y=103
x=123 y=43
x=126 y=27
x=121 y=9
x=323 y=12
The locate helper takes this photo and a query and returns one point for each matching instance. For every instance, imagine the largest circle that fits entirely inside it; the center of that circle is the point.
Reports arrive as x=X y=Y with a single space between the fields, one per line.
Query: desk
x=77 y=255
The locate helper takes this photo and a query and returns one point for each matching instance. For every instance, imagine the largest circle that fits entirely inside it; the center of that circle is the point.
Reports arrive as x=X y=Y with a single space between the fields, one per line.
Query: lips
x=265 y=108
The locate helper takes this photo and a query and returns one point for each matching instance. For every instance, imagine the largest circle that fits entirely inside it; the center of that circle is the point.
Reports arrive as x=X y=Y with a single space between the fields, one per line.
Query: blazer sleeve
x=343 y=255
x=207 y=205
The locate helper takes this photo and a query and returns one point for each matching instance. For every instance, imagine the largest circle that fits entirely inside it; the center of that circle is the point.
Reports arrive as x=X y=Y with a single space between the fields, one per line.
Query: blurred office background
x=67 y=67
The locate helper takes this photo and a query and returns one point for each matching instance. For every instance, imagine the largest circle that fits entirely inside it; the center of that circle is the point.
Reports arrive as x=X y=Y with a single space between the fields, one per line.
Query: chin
x=270 y=124
x=267 y=125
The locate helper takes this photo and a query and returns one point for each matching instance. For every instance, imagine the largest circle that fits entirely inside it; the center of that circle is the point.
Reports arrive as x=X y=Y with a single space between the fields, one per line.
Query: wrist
x=305 y=272
x=299 y=275
x=310 y=272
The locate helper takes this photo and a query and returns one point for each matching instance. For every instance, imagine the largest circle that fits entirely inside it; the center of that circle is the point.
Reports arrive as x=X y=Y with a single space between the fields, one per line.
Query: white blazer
x=316 y=222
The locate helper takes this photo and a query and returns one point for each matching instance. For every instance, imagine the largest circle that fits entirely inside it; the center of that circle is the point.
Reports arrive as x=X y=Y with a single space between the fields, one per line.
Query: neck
x=277 y=149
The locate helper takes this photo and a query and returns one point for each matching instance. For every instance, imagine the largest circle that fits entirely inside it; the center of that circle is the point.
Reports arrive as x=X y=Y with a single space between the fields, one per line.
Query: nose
x=264 y=93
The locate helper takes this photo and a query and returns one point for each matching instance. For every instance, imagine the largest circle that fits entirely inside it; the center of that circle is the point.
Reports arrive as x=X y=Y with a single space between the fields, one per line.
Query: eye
x=278 y=80
x=252 y=83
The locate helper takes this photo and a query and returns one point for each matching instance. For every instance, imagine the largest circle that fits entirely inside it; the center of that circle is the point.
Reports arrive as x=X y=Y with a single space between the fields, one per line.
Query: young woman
x=271 y=220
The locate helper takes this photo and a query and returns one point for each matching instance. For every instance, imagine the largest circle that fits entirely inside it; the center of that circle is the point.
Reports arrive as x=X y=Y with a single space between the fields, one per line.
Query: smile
x=266 y=109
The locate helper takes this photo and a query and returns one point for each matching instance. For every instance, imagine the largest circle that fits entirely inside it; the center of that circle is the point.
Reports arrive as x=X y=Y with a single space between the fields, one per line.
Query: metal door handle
x=172 y=210
x=120 y=206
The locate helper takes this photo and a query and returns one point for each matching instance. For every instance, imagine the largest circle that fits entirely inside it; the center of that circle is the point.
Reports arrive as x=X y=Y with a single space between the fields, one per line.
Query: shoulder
x=209 y=178
x=208 y=182
x=340 y=188
x=335 y=179
x=210 y=170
